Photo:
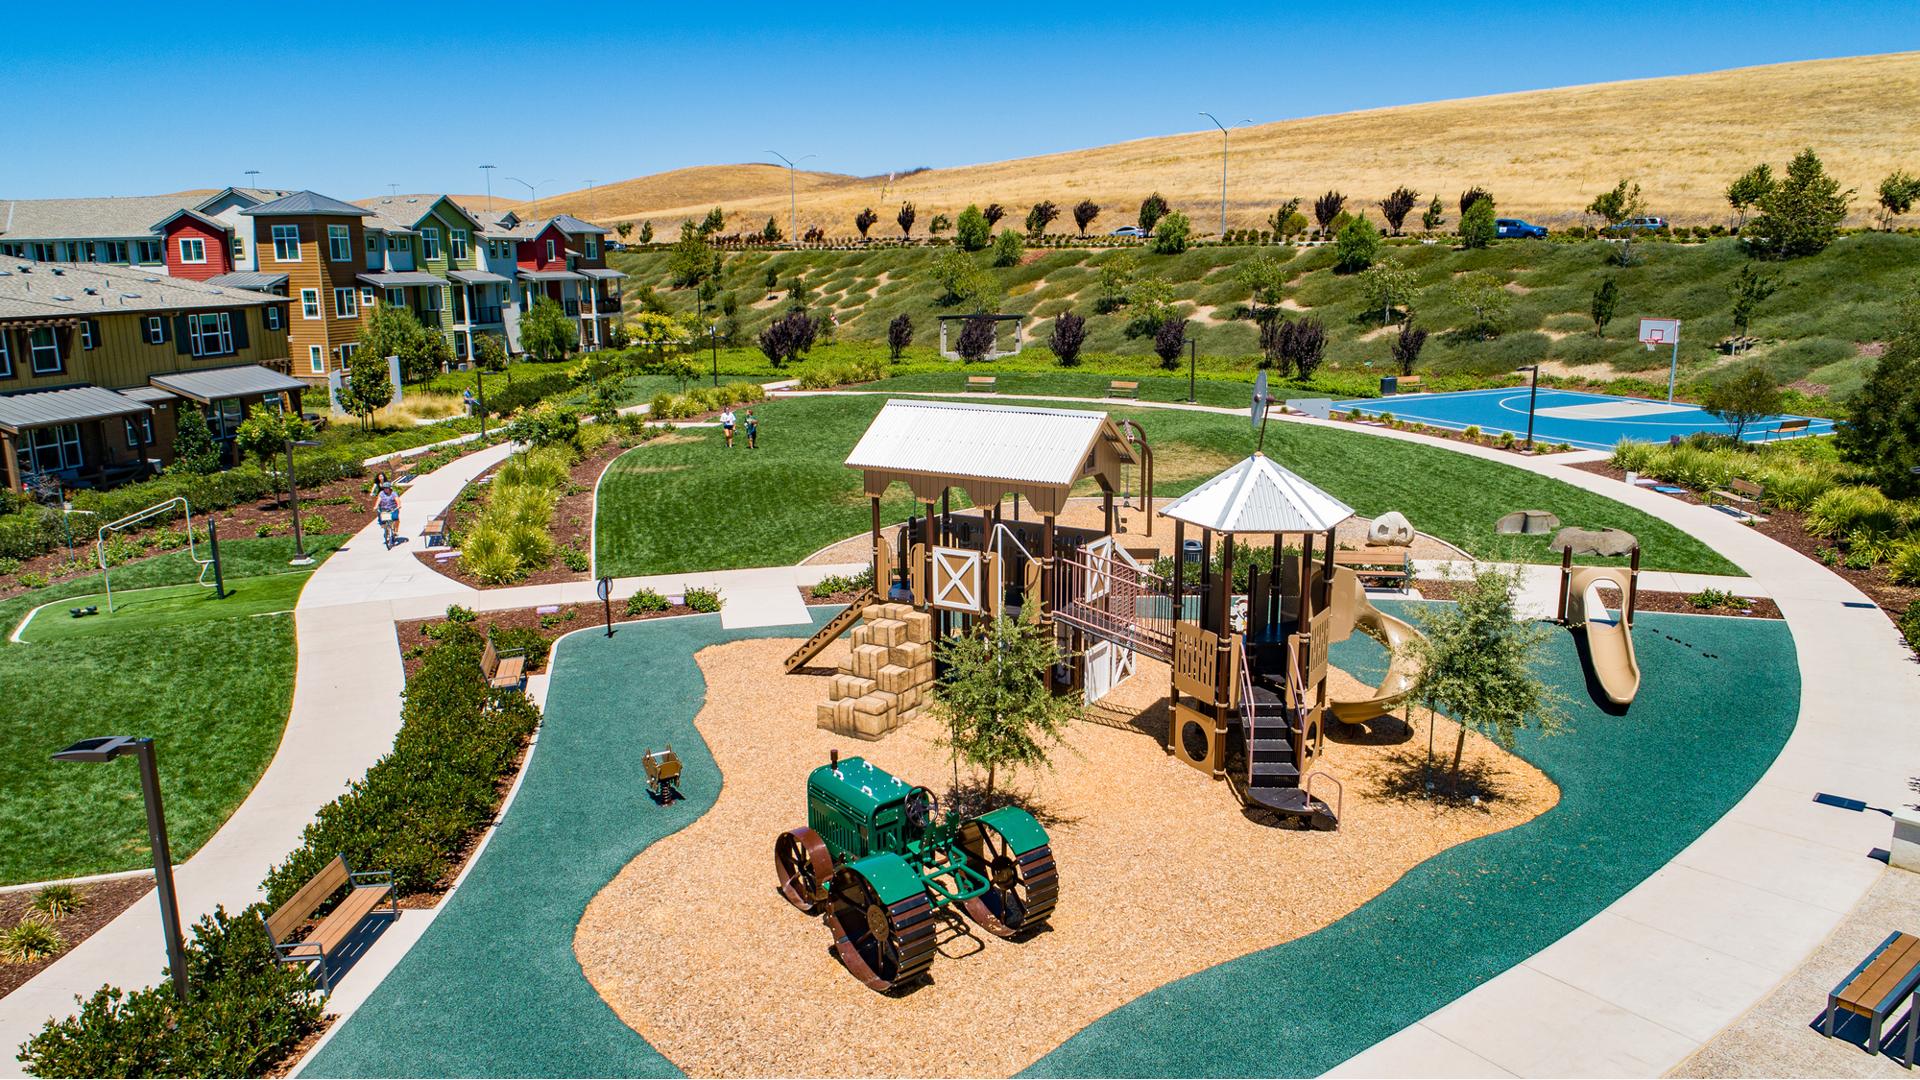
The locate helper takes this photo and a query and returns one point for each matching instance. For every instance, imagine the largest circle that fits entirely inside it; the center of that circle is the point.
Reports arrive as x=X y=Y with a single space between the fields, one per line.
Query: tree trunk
x=1459 y=751
x=989 y=781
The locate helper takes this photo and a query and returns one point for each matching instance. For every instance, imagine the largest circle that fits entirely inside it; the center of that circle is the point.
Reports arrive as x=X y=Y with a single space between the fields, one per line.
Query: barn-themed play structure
x=1248 y=688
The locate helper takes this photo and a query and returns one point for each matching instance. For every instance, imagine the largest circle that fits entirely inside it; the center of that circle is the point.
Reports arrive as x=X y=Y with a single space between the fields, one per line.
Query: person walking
x=753 y=431
x=387 y=510
x=726 y=423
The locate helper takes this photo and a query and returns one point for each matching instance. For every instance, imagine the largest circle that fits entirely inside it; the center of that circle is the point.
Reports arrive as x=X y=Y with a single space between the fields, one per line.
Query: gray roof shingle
x=79 y=219
x=45 y=290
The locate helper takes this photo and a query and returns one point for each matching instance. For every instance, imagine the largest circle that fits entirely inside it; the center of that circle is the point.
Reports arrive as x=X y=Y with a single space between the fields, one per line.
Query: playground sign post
x=1657 y=332
x=604 y=587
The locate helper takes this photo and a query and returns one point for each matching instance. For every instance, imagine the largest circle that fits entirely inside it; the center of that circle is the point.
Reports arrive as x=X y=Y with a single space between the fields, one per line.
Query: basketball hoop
x=1657 y=332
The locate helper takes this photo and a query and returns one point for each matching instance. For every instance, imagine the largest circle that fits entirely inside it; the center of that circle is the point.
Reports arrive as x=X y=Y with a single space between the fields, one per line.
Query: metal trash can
x=1190 y=552
x=1389 y=385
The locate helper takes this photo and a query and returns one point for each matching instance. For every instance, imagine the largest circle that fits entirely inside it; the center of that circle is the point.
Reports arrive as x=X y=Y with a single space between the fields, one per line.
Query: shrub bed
x=703 y=400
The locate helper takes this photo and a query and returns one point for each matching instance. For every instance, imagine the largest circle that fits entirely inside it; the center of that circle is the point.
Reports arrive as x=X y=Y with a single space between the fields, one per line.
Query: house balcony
x=572 y=307
x=485 y=315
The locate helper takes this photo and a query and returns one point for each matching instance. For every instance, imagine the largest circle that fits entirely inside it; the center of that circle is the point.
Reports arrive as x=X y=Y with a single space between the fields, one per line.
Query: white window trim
x=192 y=243
x=366 y=296
x=276 y=243
x=272 y=316
x=217 y=341
x=550 y=252
x=34 y=349
x=457 y=244
x=351 y=308
x=310 y=302
x=316 y=360
x=430 y=243
x=593 y=247
x=344 y=236
x=156 y=330
x=6 y=357
x=86 y=335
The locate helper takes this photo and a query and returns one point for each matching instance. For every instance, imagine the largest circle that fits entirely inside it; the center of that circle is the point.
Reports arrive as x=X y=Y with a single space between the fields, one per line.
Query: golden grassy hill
x=1543 y=153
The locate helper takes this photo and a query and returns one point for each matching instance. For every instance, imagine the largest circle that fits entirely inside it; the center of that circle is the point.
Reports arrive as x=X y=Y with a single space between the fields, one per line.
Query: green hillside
x=1812 y=329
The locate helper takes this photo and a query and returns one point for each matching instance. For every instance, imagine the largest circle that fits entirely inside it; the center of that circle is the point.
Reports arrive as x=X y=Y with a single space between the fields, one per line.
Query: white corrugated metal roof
x=988 y=442
x=1259 y=496
x=241 y=380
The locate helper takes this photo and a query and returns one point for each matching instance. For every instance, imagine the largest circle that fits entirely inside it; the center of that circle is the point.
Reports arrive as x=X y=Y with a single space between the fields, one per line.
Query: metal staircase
x=1274 y=725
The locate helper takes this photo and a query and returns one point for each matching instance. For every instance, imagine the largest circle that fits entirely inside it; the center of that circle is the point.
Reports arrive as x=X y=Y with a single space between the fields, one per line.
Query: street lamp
x=300 y=556
x=1533 y=395
x=1193 y=361
x=106 y=749
x=713 y=342
x=533 y=192
x=1223 y=169
x=487 y=171
x=480 y=384
x=792 y=237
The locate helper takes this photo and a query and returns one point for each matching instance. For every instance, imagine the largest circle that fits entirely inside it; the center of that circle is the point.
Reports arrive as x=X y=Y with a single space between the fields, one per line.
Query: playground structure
x=879 y=861
x=211 y=562
x=888 y=674
x=663 y=774
x=1609 y=651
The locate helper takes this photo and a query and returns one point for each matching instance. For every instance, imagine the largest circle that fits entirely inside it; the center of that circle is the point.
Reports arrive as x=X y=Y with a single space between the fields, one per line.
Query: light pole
x=1533 y=395
x=1193 y=362
x=480 y=384
x=713 y=342
x=1223 y=169
x=106 y=749
x=300 y=556
x=792 y=199
x=593 y=200
x=487 y=171
x=533 y=192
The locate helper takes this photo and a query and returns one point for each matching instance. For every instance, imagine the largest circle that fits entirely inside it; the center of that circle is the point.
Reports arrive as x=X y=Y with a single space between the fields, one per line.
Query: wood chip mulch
x=1163 y=875
x=551 y=625
x=1747 y=607
x=100 y=902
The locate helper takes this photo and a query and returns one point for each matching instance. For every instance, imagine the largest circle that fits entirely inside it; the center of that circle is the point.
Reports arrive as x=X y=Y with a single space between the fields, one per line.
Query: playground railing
x=1114 y=599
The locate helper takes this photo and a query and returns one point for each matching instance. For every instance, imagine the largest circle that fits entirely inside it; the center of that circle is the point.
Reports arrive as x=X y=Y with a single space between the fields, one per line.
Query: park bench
x=1389 y=565
x=1790 y=427
x=981 y=383
x=366 y=889
x=1738 y=490
x=503 y=671
x=1121 y=388
x=436 y=530
x=1404 y=381
x=1877 y=986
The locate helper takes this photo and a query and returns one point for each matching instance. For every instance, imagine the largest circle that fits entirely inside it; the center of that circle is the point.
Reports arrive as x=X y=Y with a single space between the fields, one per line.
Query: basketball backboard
x=1659 y=332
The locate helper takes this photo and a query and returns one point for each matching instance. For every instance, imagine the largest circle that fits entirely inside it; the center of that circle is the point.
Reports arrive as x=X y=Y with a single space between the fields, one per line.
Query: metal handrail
x=1340 y=790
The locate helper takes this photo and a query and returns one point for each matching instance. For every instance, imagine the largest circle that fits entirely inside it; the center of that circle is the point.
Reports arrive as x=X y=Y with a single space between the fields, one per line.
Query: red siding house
x=195 y=246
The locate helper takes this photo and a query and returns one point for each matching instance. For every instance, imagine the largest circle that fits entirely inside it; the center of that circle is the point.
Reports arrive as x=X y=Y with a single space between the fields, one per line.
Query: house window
x=347 y=351
x=339 y=243
x=6 y=357
x=286 y=243
x=50 y=449
x=224 y=417
x=45 y=349
x=430 y=242
x=345 y=304
x=309 y=303
x=149 y=251
x=273 y=317
x=549 y=250
x=139 y=431
x=458 y=241
x=193 y=249
x=316 y=362
x=431 y=297
x=156 y=330
x=366 y=296
x=593 y=247
x=396 y=298
x=114 y=251
x=238 y=246
x=210 y=333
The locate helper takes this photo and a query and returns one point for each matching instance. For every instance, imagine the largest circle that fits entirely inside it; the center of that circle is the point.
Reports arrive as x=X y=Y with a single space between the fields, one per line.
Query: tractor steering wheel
x=921 y=807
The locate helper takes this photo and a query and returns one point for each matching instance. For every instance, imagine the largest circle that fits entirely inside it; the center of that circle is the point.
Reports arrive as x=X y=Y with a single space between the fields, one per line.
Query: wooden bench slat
x=338 y=925
x=288 y=916
x=508 y=672
x=1894 y=965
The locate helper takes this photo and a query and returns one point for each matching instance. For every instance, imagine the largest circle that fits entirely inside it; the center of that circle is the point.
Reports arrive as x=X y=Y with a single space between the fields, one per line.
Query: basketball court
x=1584 y=420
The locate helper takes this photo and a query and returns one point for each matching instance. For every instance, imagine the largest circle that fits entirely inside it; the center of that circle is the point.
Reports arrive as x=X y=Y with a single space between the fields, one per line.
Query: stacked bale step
x=888 y=677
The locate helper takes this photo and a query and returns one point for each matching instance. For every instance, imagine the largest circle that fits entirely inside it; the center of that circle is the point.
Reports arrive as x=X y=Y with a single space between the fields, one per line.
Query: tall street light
x=106 y=749
x=487 y=171
x=792 y=237
x=1223 y=168
x=533 y=192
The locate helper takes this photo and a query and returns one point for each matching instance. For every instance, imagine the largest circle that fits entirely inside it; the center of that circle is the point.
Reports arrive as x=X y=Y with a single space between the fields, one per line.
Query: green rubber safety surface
x=1718 y=698
x=492 y=988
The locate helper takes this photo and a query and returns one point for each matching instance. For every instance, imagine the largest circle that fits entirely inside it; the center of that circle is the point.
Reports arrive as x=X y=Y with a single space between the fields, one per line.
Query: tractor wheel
x=804 y=867
x=1024 y=885
x=882 y=945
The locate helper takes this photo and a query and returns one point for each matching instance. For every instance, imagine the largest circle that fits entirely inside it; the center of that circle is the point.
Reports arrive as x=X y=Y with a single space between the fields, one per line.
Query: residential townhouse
x=97 y=361
x=322 y=245
x=122 y=231
x=564 y=259
x=436 y=236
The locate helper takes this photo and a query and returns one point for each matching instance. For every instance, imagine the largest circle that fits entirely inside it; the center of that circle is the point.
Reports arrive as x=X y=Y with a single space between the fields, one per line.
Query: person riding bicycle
x=387 y=510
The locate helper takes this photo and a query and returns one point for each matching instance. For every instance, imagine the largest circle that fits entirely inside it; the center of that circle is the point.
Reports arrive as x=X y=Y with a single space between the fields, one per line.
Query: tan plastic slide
x=1351 y=610
x=1609 y=636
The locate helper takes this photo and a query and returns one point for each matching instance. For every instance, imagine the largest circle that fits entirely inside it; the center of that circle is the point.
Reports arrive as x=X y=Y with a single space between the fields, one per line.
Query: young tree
x=1008 y=248
x=770 y=233
x=624 y=229
x=1473 y=195
x=1356 y=246
x=1041 y=216
x=1117 y=273
x=1802 y=214
x=864 y=220
x=387 y=330
x=367 y=388
x=976 y=338
x=1747 y=190
x=1477 y=226
x=646 y=232
x=1487 y=301
x=1173 y=234
x=1397 y=205
x=1169 y=342
x=715 y=221
x=1744 y=400
x=899 y=335
x=1407 y=345
x=489 y=353
x=692 y=259
x=1151 y=299
x=1435 y=216
x=951 y=268
x=1882 y=432
x=1265 y=276
x=1606 y=300
x=1750 y=289
x=193 y=448
x=1326 y=208
x=1897 y=194
x=546 y=333
x=1152 y=209
x=1069 y=334
x=1615 y=205
x=939 y=224
x=266 y=434
x=1477 y=660
x=993 y=213
x=788 y=337
x=996 y=696
x=1280 y=221
x=973 y=231
x=1388 y=285
x=1084 y=213
x=1303 y=345
x=905 y=218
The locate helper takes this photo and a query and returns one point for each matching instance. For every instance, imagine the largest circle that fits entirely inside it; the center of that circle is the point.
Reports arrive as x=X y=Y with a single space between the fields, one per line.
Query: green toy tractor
x=877 y=860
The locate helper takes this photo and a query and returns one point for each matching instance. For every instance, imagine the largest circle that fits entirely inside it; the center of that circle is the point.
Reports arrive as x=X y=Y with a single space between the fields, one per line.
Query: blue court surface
x=1575 y=417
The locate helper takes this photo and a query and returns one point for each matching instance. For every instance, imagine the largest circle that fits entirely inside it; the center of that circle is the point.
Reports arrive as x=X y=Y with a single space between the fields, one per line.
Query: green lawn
x=210 y=680
x=685 y=503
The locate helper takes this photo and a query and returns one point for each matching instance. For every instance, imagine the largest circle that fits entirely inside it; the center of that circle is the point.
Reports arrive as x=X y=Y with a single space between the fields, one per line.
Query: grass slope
x=213 y=691
x=1826 y=306
x=685 y=503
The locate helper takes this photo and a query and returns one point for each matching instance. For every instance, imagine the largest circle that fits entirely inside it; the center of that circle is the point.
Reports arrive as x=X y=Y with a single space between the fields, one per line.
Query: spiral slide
x=1351 y=610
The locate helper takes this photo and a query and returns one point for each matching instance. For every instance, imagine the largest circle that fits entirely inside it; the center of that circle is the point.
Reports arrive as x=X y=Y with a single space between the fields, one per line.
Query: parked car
x=1639 y=224
x=616 y=245
x=1129 y=230
x=1514 y=227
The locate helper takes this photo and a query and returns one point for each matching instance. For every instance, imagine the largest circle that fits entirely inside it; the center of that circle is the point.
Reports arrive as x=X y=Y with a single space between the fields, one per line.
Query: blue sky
x=120 y=99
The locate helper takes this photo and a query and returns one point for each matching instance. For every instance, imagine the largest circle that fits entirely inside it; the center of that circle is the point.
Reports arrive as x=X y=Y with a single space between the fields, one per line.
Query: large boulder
x=1390 y=528
x=1594 y=541
x=1526 y=523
